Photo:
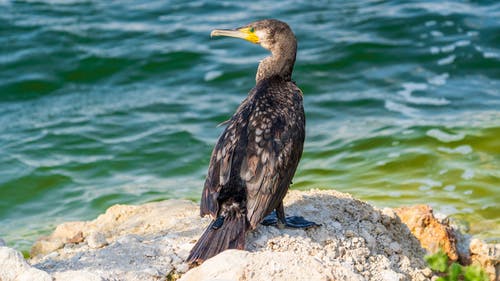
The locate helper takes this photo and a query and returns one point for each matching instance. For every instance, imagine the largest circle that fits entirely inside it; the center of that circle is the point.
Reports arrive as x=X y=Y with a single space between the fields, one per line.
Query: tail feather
x=221 y=234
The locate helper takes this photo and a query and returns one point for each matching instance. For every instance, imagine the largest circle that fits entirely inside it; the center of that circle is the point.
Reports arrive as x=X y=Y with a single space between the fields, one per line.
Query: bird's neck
x=280 y=63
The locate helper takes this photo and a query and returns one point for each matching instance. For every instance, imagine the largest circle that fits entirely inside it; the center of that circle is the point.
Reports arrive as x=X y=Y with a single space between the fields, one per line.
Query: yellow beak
x=243 y=33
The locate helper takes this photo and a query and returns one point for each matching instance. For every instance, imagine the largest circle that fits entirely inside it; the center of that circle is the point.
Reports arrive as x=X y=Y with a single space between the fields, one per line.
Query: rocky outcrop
x=146 y=242
x=150 y=242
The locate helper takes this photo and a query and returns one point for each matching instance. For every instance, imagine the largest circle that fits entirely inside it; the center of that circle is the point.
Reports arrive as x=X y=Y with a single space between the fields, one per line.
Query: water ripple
x=105 y=102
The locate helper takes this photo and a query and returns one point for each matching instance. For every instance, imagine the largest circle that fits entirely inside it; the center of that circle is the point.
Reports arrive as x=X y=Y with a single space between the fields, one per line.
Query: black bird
x=255 y=158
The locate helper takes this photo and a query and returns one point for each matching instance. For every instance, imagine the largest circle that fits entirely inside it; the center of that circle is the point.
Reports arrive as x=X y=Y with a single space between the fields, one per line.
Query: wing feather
x=219 y=172
x=221 y=162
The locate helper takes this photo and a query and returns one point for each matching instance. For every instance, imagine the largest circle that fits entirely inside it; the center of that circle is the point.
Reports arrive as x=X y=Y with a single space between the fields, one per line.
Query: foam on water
x=212 y=75
x=401 y=108
x=438 y=80
x=447 y=60
x=468 y=174
x=449 y=187
x=491 y=55
x=426 y=183
x=462 y=149
x=445 y=137
x=409 y=88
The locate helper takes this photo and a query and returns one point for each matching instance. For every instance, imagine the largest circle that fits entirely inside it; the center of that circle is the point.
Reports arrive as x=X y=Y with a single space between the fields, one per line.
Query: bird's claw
x=292 y=221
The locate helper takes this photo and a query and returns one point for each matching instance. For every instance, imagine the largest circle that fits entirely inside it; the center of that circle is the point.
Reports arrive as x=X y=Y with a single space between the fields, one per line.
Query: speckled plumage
x=255 y=158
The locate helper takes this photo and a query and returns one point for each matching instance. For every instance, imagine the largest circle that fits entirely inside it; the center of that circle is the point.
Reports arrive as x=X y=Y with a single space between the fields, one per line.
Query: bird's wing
x=221 y=161
x=219 y=171
x=272 y=154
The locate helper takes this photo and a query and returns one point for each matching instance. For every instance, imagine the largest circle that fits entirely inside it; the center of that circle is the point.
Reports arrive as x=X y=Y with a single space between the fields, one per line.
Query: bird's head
x=271 y=34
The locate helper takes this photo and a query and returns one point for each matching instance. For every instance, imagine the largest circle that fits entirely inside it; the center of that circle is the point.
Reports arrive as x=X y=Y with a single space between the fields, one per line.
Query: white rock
x=14 y=267
x=227 y=265
x=389 y=275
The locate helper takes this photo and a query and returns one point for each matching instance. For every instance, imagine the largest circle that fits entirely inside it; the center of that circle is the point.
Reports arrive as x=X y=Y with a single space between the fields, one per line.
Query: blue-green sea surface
x=106 y=102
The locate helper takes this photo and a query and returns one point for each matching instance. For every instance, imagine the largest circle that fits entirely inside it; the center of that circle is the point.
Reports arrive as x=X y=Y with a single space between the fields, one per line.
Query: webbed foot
x=292 y=221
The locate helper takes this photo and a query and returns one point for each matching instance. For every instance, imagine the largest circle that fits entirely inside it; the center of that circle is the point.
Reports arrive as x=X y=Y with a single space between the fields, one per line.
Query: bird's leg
x=270 y=219
x=278 y=218
x=280 y=213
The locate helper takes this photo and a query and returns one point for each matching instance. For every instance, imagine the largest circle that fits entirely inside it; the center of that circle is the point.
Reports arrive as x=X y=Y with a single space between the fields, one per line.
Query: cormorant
x=255 y=158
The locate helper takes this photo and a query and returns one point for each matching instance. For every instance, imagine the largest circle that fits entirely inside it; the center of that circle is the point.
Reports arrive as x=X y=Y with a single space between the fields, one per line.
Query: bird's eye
x=252 y=29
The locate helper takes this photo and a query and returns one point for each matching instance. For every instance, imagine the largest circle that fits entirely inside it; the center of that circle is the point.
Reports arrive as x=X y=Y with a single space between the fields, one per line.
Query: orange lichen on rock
x=433 y=234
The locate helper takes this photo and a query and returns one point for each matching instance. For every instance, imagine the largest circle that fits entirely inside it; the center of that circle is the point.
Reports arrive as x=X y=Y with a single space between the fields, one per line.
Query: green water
x=106 y=102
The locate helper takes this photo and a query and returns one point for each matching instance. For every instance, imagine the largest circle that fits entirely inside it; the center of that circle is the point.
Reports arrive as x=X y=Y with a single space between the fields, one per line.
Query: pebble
x=379 y=229
x=349 y=233
x=388 y=217
x=389 y=275
x=427 y=272
x=359 y=267
x=182 y=268
x=52 y=255
x=96 y=240
x=395 y=247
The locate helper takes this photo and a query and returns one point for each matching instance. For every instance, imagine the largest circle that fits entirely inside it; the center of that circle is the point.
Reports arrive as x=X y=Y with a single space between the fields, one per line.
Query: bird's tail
x=225 y=232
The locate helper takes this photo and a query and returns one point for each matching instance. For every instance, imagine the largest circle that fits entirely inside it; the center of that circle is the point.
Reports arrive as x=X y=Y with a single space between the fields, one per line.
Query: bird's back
x=255 y=158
